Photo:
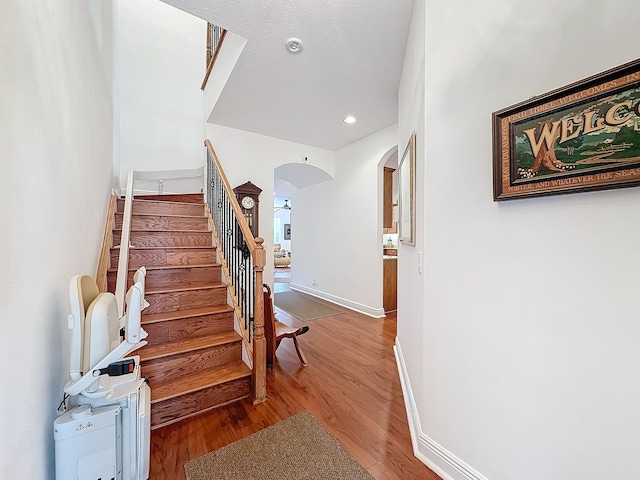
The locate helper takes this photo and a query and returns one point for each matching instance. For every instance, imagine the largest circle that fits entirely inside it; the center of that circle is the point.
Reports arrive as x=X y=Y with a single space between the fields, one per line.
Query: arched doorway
x=288 y=179
x=388 y=203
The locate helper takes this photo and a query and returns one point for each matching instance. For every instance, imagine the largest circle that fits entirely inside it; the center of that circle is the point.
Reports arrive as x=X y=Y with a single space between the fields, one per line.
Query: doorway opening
x=281 y=239
x=389 y=233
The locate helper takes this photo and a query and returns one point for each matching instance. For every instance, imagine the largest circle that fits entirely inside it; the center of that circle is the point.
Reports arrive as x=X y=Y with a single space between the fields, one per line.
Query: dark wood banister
x=258 y=379
x=213 y=59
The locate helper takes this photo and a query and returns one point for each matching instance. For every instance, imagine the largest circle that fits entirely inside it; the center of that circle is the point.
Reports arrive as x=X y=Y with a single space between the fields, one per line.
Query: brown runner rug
x=296 y=448
x=303 y=306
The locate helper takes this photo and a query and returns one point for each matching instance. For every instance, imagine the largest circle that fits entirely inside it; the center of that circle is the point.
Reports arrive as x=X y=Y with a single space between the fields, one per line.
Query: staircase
x=194 y=357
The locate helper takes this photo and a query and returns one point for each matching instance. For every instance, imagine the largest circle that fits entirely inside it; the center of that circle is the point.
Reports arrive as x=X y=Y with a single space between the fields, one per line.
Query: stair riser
x=164 y=208
x=166 y=239
x=190 y=327
x=172 y=278
x=156 y=222
x=176 y=409
x=174 y=301
x=177 y=366
x=163 y=257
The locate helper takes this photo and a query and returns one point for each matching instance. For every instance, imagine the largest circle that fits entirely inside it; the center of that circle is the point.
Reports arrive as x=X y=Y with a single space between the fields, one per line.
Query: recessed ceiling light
x=349 y=119
x=294 y=45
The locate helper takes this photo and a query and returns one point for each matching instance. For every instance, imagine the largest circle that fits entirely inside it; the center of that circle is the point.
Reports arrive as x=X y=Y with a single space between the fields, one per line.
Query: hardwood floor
x=351 y=386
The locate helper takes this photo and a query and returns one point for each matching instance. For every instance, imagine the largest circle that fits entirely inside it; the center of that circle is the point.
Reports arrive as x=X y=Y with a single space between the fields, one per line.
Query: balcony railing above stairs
x=243 y=259
x=215 y=37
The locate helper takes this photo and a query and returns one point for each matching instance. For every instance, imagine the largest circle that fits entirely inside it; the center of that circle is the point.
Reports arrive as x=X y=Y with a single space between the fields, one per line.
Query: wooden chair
x=275 y=331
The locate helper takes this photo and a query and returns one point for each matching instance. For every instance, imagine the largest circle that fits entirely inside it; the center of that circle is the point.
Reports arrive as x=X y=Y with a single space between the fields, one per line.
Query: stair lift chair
x=106 y=434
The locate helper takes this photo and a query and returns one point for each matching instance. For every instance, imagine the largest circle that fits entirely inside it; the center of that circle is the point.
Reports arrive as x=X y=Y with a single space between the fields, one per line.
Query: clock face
x=248 y=202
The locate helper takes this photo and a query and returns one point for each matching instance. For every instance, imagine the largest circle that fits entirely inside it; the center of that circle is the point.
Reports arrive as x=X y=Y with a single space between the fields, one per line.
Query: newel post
x=259 y=377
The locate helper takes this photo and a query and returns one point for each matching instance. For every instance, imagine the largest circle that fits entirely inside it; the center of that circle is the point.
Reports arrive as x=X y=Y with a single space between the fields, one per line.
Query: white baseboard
x=429 y=452
x=343 y=302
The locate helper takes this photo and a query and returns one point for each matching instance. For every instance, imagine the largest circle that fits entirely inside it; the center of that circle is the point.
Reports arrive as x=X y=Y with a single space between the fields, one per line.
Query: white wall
x=247 y=156
x=159 y=68
x=230 y=51
x=527 y=363
x=56 y=150
x=411 y=118
x=347 y=272
x=338 y=253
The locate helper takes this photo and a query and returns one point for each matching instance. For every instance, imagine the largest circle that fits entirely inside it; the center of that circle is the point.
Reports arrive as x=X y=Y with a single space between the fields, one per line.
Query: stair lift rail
x=123 y=258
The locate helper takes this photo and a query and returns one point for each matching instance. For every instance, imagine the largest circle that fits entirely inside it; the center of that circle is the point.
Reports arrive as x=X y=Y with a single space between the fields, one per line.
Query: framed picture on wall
x=578 y=138
x=406 y=193
x=287 y=231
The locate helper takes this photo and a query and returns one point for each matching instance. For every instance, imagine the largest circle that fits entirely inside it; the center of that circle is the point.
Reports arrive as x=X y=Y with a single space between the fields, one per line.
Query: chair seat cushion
x=284 y=329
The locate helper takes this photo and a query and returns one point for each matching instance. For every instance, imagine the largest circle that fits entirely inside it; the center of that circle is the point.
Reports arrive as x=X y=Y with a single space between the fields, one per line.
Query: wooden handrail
x=107 y=243
x=244 y=226
x=213 y=59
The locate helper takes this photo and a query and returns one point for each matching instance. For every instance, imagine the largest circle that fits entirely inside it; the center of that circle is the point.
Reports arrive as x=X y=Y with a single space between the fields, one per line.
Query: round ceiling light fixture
x=349 y=119
x=294 y=45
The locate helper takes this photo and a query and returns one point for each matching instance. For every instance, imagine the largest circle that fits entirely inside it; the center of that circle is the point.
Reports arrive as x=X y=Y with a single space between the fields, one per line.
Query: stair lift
x=106 y=434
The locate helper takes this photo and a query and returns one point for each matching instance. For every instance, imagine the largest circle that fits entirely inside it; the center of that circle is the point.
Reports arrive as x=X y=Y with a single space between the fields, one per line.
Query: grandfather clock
x=247 y=195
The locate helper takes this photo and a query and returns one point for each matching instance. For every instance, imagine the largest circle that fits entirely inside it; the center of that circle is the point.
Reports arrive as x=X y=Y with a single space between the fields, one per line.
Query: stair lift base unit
x=86 y=443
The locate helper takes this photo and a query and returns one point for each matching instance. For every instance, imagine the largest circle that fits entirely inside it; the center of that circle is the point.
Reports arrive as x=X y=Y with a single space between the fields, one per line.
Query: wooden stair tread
x=177 y=247
x=192 y=312
x=162 y=207
x=161 y=391
x=169 y=267
x=211 y=286
x=173 y=215
x=134 y=248
x=193 y=361
x=161 y=231
x=152 y=352
x=168 y=202
x=162 y=197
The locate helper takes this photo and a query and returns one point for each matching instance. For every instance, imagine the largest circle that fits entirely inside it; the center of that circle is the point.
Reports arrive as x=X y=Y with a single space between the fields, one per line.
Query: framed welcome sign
x=585 y=136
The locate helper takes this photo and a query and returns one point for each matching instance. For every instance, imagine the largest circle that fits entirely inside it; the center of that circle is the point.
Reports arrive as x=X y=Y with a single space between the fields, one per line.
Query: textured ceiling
x=350 y=64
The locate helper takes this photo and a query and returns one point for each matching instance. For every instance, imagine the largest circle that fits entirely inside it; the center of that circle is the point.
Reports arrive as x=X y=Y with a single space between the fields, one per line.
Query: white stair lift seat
x=120 y=404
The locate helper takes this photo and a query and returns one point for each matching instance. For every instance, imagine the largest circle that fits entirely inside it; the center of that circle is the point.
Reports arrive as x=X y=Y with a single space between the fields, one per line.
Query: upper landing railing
x=215 y=37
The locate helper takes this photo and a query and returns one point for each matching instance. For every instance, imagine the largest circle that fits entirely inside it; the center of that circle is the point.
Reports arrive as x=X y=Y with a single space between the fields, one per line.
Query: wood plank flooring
x=351 y=386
